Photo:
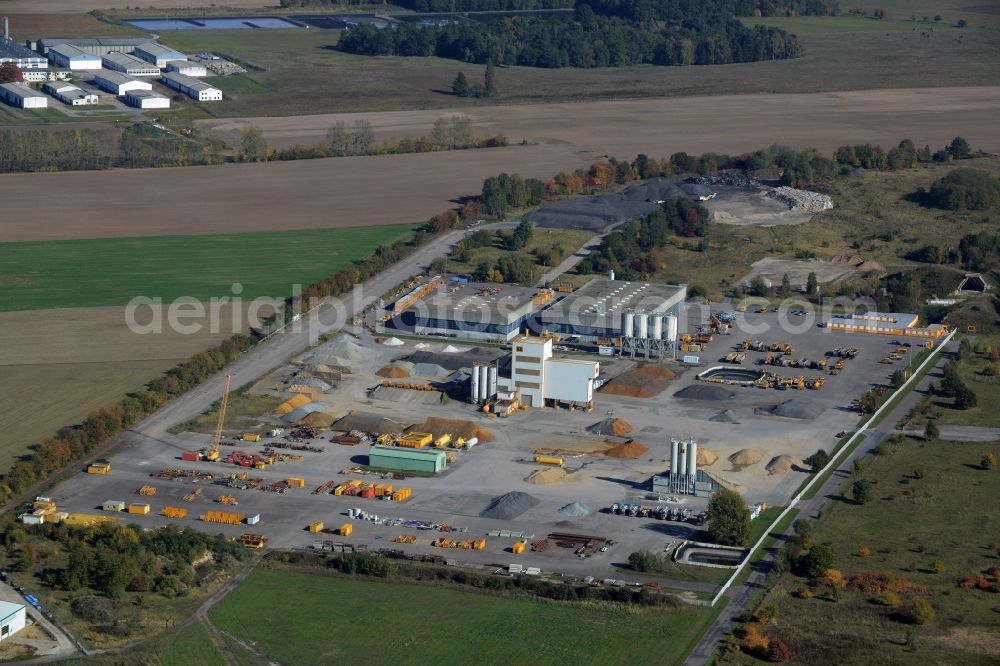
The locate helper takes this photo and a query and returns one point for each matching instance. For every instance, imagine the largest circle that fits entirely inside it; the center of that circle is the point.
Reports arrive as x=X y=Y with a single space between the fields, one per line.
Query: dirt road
x=390 y=189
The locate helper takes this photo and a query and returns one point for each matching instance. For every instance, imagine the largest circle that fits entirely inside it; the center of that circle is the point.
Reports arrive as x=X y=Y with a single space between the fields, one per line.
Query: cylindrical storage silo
x=673 y=456
x=657 y=333
x=692 y=459
x=642 y=325
x=671 y=327
x=611 y=275
x=628 y=327
x=475 y=383
x=484 y=382
x=493 y=381
x=682 y=461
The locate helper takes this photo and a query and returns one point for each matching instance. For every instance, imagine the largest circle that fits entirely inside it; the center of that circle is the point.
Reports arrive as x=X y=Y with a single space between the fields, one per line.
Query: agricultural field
x=286 y=615
x=111 y=271
x=924 y=528
x=35 y=400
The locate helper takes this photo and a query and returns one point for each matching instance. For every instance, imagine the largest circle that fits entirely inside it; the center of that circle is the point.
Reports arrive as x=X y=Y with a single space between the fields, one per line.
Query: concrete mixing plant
x=684 y=477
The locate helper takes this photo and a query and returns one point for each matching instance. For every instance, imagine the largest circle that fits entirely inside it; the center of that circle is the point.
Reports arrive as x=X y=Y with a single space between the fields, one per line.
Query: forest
x=597 y=34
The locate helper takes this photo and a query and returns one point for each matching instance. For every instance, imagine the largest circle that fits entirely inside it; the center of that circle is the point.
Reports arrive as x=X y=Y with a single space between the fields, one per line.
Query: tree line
x=584 y=39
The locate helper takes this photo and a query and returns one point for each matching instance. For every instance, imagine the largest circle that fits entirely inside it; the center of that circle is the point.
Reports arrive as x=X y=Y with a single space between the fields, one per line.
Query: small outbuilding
x=428 y=461
x=146 y=99
x=118 y=84
x=18 y=94
x=187 y=68
x=192 y=87
x=67 y=93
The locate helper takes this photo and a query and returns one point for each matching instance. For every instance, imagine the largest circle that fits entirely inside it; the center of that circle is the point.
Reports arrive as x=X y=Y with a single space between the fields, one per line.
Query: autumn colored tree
x=10 y=73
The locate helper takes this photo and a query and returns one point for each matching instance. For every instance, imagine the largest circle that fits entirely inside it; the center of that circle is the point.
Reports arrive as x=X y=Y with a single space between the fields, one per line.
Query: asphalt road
x=741 y=597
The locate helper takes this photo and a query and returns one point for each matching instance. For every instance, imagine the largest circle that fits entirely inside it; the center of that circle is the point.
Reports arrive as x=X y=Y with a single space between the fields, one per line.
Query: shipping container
x=113 y=505
x=138 y=508
x=345 y=529
x=99 y=467
x=191 y=456
x=251 y=437
x=316 y=527
x=253 y=519
x=295 y=482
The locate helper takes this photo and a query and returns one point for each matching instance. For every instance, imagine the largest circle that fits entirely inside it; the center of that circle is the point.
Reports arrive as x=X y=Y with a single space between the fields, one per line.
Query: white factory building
x=67 y=93
x=192 y=87
x=157 y=54
x=187 y=68
x=118 y=84
x=146 y=99
x=129 y=64
x=73 y=58
x=18 y=94
x=12 y=619
x=539 y=379
x=33 y=66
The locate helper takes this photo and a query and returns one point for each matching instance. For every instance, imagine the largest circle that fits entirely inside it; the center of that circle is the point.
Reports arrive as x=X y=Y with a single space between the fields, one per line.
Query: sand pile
x=704 y=392
x=509 y=506
x=292 y=404
x=630 y=449
x=455 y=427
x=784 y=464
x=576 y=509
x=392 y=372
x=642 y=382
x=393 y=342
x=611 y=427
x=318 y=420
x=745 y=458
x=797 y=409
x=706 y=457
x=726 y=416
x=549 y=475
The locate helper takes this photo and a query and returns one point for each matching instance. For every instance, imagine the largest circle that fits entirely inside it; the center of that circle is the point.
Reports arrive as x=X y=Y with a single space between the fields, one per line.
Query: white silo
x=611 y=275
x=493 y=381
x=673 y=456
x=657 y=333
x=682 y=462
x=484 y=382
x=671 y=327
x=693 y=459
x=642 y=325
x=628 y=327
x=474 y=380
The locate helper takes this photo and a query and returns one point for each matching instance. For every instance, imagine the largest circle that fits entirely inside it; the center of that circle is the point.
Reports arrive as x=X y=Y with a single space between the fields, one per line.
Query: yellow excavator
x=212 y=454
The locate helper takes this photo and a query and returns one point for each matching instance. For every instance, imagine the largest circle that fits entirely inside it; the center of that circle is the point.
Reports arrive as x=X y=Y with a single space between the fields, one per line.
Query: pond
x=231 y=23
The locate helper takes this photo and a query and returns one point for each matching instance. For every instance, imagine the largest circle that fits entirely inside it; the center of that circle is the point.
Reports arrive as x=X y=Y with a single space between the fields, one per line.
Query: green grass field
x=190 y=646
x=567 y=241
x=300 y=618
x=808 y=25
x=111 y=271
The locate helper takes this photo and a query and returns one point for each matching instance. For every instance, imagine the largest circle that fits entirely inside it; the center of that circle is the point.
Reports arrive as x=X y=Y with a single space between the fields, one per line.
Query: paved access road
x=740 y=597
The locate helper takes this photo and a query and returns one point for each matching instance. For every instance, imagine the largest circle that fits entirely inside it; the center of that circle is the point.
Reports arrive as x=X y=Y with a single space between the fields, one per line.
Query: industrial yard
x=523 y=486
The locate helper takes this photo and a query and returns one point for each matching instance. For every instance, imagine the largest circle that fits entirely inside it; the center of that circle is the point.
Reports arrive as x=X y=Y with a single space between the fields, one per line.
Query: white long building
x=187 y=68
x=13 y=617
x=118 y=84
x=157 y=54
x=192 y=87
x=129 y=64
x=540 y=379
x=146 y=99
x=73 y=58
x=18 y=94
x=68 y=93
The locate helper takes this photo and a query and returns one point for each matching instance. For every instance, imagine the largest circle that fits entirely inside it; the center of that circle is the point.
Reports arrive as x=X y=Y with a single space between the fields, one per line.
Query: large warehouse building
x=187 y=68
x=18 y=94
x=471 y=310
x=541 y=380
x=100 y=47
x=157 y=54
x=73 y=58
x=118 y=84
x=12 y=619
x=192 y=87
x=429 y=461
x=67 y=93
x=613 y=309
x=146 y=99
x=129 y=64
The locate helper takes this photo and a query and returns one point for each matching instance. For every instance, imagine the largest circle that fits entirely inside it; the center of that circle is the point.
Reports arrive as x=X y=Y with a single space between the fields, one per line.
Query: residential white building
x=12 y=619
x=118 y=84
x=157 y=54
x=129 y=64
x=192 y=87
x=73 y=58
x=18 y=94
x=69 y=94
x=187 y=68
x=146 y=99
x=541 y=379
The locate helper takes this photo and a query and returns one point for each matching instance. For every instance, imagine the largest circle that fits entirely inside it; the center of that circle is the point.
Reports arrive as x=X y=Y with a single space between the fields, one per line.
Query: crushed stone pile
x=549 y=475
x=429 y=370
x=576 y=509
x=343 y=351
x=612 y=427
x=746 y=457
x=455 y=360
x=628 y=450
x=368 y=423
x=394 y=342
x=784 y=464
x=509 y=506
x=726 y=416
x=797 y=409
x=438 y=426
x=706 y=457
x=704 y=392
x=394 y=371
x=802 y=200
x=318 y=420
x=642 y=382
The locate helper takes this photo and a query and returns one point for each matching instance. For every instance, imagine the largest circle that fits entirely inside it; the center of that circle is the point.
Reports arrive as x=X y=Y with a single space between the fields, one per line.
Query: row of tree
x=585 y=39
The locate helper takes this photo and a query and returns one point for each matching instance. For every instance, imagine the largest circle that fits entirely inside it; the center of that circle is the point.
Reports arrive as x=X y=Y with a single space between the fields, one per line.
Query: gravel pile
x=726 y=416
x=704 y=392
x=611 y=426
x=509 y=506
x=802 y=200
x=797 y=409
x=576 y=509
x=343 y=351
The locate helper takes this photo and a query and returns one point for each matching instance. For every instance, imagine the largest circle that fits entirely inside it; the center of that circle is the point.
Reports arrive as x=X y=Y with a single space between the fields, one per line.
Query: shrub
x=766 y=614
x=886 y=599
x=862 y=492
x=937 y=566
x=920 y=611
x=818 y=460
x=754 y=642
x=93 y=609
x=974 y=582
x=876 y=582
x=832 y=578
x=864 y=551
x=815 y=563
x=777 y=651
x=989 y=460
x=805 y=593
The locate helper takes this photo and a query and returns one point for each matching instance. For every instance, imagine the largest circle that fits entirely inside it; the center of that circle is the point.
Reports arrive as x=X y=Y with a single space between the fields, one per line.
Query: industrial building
x=538 y=379
x=157 y=54
x=684 y=477
x=118 y=84
x=99 y=47
x=192 y=87
x=187 y=68
x=430 y=461
x=146 y=99
x=67 y=93
x=595 y=311
x=18 y=94
x=886 y=323
x=73 y=58
x=129 y=64
x=12 y=619
x=33 y=67
x=471 y=310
